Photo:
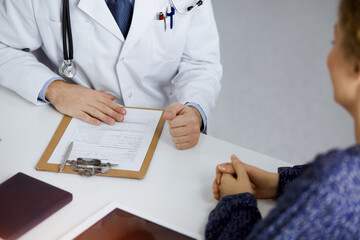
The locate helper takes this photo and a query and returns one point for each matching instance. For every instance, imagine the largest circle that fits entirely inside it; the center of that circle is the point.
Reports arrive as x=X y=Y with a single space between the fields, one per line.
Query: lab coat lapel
x=99 y=11
x=144 y=13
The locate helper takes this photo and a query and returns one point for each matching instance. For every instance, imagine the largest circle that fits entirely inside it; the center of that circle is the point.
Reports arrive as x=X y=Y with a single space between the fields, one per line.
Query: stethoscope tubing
x=190 y=8
x=67 y=33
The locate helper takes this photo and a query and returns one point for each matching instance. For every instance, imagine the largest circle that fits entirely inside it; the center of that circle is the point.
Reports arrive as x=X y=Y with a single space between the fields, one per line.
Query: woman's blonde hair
x=349 y=21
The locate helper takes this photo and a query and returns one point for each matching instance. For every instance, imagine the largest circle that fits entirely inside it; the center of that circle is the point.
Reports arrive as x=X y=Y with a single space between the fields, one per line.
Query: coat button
x=129 y=95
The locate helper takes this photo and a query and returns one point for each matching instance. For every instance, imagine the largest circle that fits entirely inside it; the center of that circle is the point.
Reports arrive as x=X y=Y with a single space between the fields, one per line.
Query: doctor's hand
x=264 y=183
x=185 y=123
x=84 y=103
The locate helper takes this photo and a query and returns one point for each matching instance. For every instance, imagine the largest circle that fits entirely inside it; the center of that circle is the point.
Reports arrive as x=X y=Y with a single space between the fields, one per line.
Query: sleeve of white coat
x=200 y=71
x=20 y=70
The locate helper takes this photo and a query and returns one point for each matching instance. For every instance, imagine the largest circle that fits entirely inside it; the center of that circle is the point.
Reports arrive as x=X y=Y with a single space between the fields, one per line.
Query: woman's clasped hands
x=237 y=177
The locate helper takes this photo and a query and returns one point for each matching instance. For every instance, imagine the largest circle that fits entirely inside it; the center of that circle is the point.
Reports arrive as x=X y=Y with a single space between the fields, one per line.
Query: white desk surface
x=176 y=189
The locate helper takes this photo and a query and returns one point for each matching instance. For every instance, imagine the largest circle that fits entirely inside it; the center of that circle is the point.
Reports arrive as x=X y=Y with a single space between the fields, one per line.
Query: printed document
x=124 y=143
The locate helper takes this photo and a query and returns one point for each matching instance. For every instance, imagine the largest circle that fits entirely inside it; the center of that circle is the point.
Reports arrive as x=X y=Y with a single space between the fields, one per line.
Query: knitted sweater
x=320 y=200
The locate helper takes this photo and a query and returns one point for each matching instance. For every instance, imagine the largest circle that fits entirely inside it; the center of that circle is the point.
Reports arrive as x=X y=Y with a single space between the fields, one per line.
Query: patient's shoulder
x=337 y=167
x=338 y=157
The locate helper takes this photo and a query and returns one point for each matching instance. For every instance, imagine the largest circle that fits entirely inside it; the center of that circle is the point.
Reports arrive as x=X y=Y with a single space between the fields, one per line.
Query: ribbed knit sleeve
x=287 y=175
x=233 y=217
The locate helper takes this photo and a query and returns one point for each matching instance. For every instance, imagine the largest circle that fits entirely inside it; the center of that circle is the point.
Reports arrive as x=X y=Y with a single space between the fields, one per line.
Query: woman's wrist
x=274 y=185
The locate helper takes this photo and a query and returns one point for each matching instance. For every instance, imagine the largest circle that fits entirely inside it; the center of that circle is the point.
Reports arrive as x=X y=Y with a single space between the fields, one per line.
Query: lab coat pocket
x=166 y=45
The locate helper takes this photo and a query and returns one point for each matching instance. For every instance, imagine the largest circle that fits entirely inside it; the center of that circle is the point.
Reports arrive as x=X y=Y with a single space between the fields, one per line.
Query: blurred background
x=277 y=97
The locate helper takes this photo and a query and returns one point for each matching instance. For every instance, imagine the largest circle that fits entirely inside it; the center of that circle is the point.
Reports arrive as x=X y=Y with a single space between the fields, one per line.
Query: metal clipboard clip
x=86 y=166
x=89 y=166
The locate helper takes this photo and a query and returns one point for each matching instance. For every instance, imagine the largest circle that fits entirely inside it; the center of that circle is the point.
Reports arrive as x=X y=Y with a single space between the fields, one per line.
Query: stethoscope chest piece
x=67 y=69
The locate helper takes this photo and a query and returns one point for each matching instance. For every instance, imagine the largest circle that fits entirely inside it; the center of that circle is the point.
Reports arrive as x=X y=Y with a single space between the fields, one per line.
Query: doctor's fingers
x=173 y=110
x=107 y=95
x=186 y=138
x=107 y=110
x=186 y=142
x=186 y=145
x=96 y=113
x=183 y=131
x=87 y=118
x=114 y=106
x=188 y=119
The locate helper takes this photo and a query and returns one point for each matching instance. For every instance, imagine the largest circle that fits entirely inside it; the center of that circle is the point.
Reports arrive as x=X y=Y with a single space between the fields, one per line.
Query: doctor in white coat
x=176 y=69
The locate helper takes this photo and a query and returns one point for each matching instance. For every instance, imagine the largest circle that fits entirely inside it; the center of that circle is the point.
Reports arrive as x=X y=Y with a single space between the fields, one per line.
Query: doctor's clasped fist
x=184 y=125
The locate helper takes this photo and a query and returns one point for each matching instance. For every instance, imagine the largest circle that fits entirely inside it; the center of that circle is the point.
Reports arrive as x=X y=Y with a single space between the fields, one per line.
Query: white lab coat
x=152 y=68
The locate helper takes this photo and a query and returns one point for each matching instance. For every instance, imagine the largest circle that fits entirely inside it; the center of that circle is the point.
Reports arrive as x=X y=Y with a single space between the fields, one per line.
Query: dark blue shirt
x=320 y=200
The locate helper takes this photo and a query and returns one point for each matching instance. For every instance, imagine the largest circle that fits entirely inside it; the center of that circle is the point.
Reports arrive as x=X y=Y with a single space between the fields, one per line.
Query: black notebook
x=25 y=202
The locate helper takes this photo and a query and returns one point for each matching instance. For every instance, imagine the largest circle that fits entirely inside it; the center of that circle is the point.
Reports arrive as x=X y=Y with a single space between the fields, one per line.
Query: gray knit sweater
x=316 y=201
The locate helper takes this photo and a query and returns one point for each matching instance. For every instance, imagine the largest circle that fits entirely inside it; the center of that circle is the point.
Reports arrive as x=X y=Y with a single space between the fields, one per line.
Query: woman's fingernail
x=222 y=168
x=119 y=118
x=123 y=111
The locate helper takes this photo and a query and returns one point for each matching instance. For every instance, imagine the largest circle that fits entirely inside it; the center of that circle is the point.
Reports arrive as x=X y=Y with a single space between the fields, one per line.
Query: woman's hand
x=265 y=184
x=235 y=183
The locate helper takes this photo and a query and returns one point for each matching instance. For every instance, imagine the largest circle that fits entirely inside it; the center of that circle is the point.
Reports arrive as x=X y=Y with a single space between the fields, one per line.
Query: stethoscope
x=190 y=8
x=67 y=69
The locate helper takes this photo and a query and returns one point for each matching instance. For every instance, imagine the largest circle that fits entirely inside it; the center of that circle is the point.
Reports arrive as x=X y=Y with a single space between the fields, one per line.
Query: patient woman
x=320 y=200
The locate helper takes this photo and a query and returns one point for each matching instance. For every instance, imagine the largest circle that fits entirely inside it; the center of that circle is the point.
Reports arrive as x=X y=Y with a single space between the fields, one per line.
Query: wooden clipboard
x=43 y=164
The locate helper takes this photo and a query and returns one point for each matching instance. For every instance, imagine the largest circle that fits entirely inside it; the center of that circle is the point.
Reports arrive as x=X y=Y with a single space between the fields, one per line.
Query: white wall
x=277 y=97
